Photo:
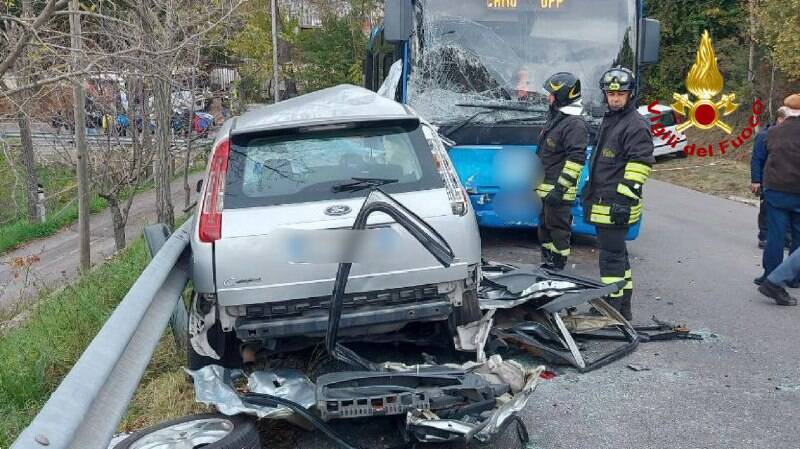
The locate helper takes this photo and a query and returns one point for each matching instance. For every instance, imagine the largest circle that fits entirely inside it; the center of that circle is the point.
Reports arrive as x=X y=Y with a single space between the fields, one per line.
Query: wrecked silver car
x=279 y=201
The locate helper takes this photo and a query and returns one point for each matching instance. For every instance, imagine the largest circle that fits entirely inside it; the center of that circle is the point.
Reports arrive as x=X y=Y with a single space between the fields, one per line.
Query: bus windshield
x=501 y=51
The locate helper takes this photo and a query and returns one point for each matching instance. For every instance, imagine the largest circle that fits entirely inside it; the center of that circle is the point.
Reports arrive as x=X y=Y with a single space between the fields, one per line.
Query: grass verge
x=716 y=176
x=17 y=233
x=37 y=354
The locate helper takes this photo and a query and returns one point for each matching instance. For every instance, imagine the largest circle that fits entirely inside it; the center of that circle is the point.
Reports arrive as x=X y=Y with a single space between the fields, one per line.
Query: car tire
x=210 y=431
x=226 y=345
x=470 y=310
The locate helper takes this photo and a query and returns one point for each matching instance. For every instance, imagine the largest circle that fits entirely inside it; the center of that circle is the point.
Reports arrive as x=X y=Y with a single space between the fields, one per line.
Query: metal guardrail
x=53 y=139
x=86 y=408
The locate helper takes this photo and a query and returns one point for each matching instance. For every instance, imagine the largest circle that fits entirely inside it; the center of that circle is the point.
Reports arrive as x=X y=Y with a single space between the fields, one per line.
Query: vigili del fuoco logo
x=704 y=81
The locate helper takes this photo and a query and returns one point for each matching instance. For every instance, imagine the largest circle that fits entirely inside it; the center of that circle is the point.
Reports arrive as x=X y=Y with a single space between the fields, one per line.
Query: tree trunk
x=23 y=119
x=163 y=111
x=117 y=220
x=751 y=56
x=147 y=137
x=771 y=90
x=79 y=98
x=29 y=161
x=187 y=191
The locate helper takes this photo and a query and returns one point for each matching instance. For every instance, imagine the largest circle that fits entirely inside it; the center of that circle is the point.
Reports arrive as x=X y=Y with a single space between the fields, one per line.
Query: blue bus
x=474 y=68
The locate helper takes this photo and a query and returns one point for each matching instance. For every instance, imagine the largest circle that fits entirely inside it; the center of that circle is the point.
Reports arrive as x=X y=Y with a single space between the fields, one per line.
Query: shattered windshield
x=501 y=51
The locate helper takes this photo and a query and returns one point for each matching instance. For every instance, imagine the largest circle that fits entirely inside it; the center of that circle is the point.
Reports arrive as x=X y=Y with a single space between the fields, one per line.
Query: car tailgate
x=252 y=265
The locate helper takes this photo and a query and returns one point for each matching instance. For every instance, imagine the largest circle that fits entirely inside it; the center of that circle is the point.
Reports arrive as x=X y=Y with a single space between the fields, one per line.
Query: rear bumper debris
x=308 y=326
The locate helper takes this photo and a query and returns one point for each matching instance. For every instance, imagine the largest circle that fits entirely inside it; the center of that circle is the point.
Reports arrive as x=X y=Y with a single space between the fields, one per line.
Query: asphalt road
x=693 y=263
x=58 y=255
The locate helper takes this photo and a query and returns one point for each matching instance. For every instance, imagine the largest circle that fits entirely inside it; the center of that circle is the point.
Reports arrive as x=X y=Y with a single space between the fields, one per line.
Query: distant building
x=309 y=13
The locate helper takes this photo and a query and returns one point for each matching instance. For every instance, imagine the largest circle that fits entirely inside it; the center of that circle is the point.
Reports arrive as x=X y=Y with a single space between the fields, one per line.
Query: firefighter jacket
x=619 y=166
x=562 y=150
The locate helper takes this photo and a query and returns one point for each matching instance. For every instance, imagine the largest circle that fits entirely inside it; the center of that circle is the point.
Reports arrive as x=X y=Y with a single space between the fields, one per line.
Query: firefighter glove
x=555 y=197
x=620 y=214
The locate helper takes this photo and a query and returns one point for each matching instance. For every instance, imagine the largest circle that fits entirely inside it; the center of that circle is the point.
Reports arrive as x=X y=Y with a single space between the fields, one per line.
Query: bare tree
x=79 y=98
x=22 y=104
x=147 y=42
x=170 y=28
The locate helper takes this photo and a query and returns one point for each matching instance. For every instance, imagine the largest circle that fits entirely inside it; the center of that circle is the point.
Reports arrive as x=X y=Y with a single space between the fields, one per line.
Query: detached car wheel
x=207 y=431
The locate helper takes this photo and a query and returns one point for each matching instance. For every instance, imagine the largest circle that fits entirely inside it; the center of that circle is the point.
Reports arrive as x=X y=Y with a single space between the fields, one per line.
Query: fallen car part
x=545 y=295
x=505 y=287
x=362 y=394
x=668 y=331
x=210 y=431
x=472 y=400
x=552 y=340
x=269 y=401
x=662 y=331
x=214 y=385
x=462 y=423
x=378 y=201
x=472 y=337
x=430 y=428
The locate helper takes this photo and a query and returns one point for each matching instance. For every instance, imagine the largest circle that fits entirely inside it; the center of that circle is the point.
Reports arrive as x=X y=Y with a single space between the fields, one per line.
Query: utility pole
x=79 y=104
x=274 y=14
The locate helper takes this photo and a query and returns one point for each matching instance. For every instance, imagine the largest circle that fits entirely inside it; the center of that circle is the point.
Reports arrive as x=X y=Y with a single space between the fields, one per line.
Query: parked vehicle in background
x=670 y=140
x=284 y=185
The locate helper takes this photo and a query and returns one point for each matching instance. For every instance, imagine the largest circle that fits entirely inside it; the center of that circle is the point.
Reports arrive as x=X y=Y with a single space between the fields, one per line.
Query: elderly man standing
x=757 y=162
x=782 y=194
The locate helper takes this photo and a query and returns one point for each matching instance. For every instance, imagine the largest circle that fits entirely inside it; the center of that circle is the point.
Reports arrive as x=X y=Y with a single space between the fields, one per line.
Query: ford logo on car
x=338 y=210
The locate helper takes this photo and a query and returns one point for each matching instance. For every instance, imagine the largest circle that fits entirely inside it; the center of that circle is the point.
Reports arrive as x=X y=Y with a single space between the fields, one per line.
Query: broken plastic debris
x=213 y=386
x=638 y=367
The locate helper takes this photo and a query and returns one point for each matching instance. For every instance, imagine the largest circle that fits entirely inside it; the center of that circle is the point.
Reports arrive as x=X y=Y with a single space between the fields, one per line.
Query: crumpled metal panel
x=472 y=337
x=510 y=408
x=428 y=428
x=213 y=385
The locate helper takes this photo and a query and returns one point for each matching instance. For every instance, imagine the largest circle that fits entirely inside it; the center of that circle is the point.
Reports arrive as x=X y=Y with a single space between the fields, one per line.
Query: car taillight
x=211 y=211
x=457 y=196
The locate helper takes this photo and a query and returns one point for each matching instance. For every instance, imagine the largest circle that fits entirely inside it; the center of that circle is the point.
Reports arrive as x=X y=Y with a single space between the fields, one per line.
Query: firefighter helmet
x=565 y=87
x=618 y=79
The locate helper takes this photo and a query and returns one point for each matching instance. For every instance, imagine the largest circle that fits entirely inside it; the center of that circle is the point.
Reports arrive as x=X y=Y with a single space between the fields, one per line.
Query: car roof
x=340 y=104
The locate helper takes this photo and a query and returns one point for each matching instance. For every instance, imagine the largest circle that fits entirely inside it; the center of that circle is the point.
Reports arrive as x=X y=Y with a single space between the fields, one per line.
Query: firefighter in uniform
x=620 y=165
x=562 y=147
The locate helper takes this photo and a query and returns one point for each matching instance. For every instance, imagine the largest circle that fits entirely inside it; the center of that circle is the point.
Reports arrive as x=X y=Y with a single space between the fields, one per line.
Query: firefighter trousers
x=555 y=227
x=615 y=266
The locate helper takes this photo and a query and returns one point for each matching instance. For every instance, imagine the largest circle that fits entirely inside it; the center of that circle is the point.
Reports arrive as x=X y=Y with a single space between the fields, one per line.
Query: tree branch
x=45 y=16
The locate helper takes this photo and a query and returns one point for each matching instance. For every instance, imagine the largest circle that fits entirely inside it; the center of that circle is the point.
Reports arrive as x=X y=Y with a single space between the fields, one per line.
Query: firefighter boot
x=615 y=303
x=547 y=259
x=625 y=308
x=559 y=261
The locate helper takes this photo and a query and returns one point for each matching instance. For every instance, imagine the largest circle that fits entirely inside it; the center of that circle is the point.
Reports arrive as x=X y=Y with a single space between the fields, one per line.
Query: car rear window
x=272 y=170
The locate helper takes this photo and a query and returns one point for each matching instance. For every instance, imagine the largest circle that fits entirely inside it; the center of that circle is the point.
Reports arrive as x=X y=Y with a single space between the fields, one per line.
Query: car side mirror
x=398 y=17
x=199 y=187
x=649 y=41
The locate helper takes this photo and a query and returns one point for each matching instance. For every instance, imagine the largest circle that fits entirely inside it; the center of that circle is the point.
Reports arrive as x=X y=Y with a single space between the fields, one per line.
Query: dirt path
x=58 y=257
